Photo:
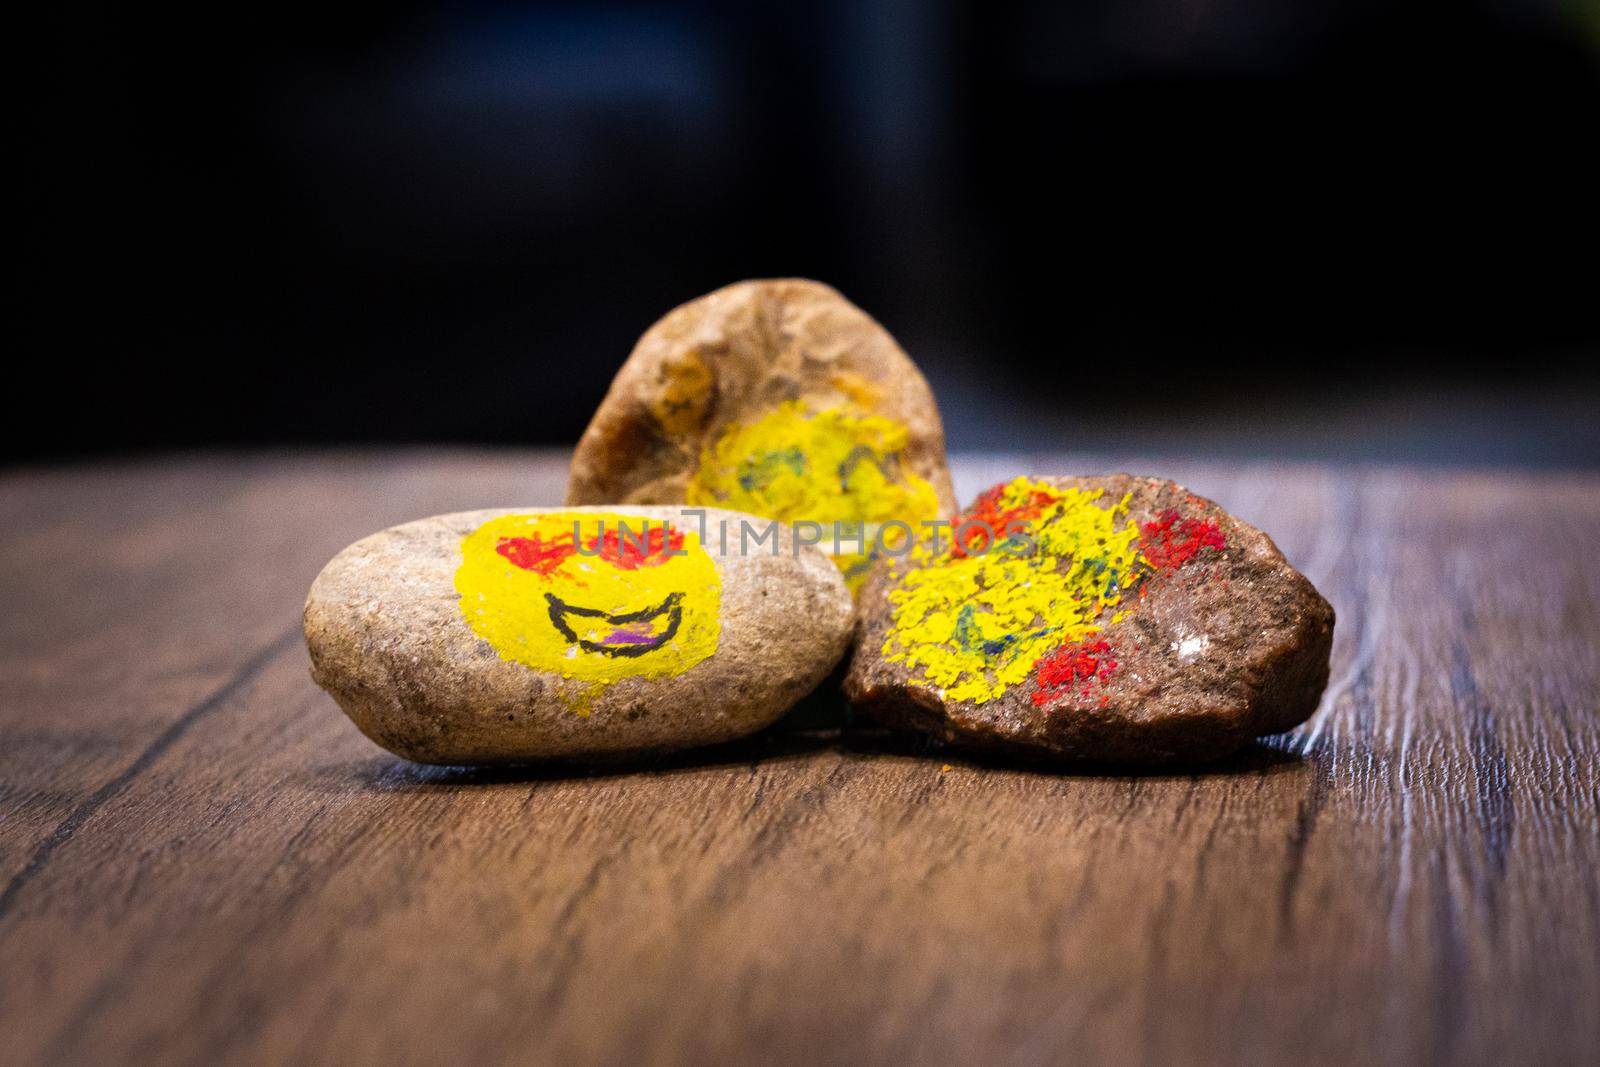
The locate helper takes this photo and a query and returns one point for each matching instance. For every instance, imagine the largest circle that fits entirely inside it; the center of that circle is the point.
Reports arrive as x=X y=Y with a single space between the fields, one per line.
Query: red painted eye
x=637 y=548
x=533 y=554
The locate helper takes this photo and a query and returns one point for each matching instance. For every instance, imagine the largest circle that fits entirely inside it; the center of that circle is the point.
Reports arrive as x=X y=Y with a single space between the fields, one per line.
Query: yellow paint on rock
x=681 y=399
x=645 y=604
x=976 y=624
x=860 y=392
x=836 y=466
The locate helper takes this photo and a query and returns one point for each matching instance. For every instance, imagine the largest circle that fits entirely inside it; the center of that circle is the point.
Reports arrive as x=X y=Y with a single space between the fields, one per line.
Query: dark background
x=1362 y=229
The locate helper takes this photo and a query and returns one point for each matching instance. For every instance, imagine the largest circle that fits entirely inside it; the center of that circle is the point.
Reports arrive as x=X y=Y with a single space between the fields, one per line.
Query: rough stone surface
x=780 y=398
x=1116 y=619
x=676 y=652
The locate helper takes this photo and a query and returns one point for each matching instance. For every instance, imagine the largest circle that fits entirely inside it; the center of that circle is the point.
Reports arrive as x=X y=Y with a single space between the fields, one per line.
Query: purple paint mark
x=628 y=637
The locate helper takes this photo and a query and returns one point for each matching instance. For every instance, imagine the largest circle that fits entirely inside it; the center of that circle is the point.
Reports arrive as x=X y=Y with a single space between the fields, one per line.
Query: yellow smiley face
x=835 y=466
x=594 y=596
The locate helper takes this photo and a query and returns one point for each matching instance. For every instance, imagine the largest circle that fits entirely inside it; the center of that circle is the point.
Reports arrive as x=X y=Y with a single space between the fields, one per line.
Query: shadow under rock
x=824 y=708
x=1260 y=757
x=391 y=774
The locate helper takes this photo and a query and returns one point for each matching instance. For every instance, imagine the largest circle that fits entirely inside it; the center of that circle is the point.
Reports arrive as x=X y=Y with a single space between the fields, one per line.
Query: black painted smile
x=634 y=633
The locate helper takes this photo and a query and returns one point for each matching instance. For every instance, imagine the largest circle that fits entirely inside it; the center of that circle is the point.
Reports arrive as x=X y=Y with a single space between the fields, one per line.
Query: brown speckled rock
x=1114 y=619
x=510 y=636
x=779 y=398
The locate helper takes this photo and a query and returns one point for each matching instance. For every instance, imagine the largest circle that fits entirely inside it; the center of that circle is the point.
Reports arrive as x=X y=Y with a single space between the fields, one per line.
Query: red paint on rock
x=535 y=554
x=1001 y=521
x=633 y=551
x=1170 y=541
x=1072 y=668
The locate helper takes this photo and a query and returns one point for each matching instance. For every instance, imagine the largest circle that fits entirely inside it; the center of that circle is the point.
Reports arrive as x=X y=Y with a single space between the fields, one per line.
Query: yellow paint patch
x=681 y=398
x=592 y=596
x=839 y=465
x=975 y=624
x=860 y=392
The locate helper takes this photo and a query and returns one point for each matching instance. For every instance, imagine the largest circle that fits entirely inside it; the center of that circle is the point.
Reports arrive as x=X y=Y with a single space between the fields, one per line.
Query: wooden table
x=201 y=859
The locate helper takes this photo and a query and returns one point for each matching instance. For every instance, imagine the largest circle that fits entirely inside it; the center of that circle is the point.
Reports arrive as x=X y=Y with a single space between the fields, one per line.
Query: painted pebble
x=508 y=636
x=779 y=398
x=1114 y=619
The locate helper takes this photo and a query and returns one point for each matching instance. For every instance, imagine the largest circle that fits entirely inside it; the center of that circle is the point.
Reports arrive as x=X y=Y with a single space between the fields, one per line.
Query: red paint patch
x=1169 y=542
x=1002 y=521
x=1071 y=669
x=639 y=548
x=533 y=554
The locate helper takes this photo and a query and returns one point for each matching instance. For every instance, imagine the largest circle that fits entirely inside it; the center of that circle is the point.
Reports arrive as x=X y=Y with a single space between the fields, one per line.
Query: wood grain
x=200 y=858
